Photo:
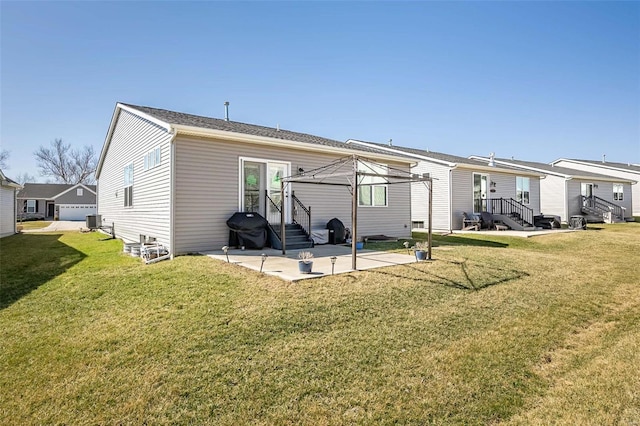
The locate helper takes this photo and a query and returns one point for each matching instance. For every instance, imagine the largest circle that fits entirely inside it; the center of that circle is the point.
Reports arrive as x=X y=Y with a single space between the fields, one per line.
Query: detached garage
x=75 y=212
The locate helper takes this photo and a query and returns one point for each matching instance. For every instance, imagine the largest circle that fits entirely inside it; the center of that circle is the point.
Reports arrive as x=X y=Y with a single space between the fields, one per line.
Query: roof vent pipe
x=604 y=158
x=226 y=111
x=390 y=142
x=492 y=162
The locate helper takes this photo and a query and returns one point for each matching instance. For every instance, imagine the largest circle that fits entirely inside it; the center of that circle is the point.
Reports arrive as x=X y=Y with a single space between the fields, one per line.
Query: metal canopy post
x=283 y=237
x=430 y=216
x=354 y=213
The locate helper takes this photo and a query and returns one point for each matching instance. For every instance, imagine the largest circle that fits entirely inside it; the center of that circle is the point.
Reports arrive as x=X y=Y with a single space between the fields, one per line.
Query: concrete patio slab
x=286 y=266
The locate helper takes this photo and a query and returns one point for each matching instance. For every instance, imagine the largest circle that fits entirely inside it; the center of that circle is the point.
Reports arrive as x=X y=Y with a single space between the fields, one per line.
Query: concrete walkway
x=286 y=267
x=59 y=225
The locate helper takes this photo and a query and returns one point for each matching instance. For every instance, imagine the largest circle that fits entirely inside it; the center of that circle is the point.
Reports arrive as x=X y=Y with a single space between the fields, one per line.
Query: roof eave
x=399 y=151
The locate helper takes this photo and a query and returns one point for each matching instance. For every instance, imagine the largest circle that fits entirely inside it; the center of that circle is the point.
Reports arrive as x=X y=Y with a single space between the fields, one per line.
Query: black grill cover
x=248 y=229
x=336 y=231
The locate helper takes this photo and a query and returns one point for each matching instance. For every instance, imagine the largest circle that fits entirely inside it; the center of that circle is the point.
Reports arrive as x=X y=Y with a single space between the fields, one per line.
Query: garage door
x=76 y=212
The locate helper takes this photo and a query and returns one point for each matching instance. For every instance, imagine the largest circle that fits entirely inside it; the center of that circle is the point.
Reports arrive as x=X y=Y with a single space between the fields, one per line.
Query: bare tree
x=66 y=165
x=25 y=177
x=4 y=157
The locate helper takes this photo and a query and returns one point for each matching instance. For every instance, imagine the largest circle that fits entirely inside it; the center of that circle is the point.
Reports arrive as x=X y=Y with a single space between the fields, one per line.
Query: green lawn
x=495 y=330
x=34 y=224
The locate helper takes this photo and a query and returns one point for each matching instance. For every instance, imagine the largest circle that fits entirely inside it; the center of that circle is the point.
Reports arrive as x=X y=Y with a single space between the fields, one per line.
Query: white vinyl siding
x=553 y=199
x=7 y=211
x=207 y=191
x=441 y=215
x=461 y=195
x=150 y=214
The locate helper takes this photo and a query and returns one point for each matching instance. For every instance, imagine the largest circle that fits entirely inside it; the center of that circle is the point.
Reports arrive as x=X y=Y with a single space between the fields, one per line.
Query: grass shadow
x=467 y=275
x=437 y=241
x=30 y=260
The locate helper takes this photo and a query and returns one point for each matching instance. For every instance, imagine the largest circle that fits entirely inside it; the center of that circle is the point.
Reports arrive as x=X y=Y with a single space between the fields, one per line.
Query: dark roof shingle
x=179 y=118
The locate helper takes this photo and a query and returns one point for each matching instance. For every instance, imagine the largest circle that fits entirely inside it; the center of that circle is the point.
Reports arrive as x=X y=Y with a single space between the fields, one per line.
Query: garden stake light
x=225 y=249
x=333 y=263
x=406 y=245
x=264 y=257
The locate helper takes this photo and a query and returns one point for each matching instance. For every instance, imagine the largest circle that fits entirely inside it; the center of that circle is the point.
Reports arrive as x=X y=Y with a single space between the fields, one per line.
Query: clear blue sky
x=534 y=80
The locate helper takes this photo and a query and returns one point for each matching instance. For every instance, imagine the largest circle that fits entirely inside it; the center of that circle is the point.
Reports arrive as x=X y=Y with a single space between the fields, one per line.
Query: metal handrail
x=601 y=205
x=509 y=206
x=301 y=218
x=272 y=215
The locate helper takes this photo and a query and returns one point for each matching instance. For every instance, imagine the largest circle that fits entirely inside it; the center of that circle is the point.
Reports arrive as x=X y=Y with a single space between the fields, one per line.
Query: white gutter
x=285 y=143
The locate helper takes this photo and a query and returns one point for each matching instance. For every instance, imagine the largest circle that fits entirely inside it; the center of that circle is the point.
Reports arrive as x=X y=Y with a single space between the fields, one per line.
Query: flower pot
x=305 y=267
x=359 y=245
x=421 y=254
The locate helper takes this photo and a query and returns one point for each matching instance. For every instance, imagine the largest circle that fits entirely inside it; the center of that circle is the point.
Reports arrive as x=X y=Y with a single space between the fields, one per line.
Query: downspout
x=566 y=198
x=172 y=195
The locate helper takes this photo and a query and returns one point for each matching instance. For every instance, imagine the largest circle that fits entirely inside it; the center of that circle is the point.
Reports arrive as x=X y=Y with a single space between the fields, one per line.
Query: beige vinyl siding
x=604 y=190
x=207 y=193
x=132 y=138
x=553 y=199
x=506 y=188
x=634 y=190
x=461 y=195
x=420 y=196
x=7 y=212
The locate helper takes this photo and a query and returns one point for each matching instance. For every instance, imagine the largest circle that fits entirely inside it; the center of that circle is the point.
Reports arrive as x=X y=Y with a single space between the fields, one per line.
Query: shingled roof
x=46 y=190
x=555 y=170
x=611 y=164
x=182 y=119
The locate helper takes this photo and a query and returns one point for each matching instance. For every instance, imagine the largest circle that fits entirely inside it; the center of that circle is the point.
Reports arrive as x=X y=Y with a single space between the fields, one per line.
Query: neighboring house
x=567 y=192
x=8 y=189
x=463 y=185
x=177 y=178
x=620 y=170
x=58 y=201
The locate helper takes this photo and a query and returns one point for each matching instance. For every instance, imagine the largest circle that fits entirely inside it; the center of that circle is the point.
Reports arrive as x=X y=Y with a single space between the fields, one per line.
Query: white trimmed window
x=522 y=190
x=152 y=159
x=31 y=206
x=128 y=185
x=372 y=190
x=618 y=192
x=79 y=192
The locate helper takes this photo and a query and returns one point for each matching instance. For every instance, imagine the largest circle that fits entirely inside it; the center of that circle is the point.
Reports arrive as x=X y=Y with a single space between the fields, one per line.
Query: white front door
x=260 y=188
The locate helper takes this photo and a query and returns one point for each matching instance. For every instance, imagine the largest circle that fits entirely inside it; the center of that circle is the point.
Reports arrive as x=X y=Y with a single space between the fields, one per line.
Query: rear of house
x=177 y=178
x=466 y=185
x=567 y=192
x=8 y=190
x=618 y=170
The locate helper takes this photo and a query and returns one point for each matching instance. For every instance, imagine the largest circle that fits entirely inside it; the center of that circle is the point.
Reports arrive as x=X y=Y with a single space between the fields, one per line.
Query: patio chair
x=470 y=222
x=489 y=222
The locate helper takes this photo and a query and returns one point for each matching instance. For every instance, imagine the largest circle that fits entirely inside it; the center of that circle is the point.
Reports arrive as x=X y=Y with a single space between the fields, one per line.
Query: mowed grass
x=498 y=330
x=34 y=224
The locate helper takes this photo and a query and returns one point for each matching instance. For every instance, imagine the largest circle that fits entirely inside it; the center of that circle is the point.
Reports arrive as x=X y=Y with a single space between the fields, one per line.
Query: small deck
x=286 y=266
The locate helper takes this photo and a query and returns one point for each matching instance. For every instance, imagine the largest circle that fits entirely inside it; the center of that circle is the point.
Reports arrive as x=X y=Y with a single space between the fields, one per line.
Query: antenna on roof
x=390 y=142
x=277 y=127
x=226 y=111
x=604 y=158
